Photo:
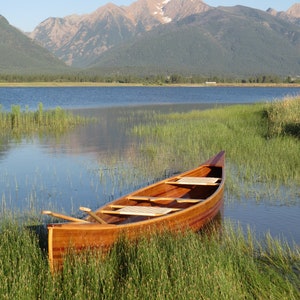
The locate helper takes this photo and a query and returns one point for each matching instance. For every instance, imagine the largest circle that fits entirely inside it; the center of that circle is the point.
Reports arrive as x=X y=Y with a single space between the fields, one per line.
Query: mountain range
x=163 y=36
x=20 y=54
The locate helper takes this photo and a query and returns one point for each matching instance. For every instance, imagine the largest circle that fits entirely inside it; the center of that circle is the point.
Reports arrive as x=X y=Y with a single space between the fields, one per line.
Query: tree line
x=150 y=79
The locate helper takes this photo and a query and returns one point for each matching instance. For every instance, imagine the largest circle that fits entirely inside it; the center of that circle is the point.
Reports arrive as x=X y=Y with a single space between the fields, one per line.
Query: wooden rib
x=156 y=199
x=64 y=217
x=92 y=214
x=187 y=200
x=144 y=207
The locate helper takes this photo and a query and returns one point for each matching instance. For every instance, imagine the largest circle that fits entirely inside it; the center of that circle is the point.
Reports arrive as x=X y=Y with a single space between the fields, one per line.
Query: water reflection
x=91 y=165
x=109 y=135
x=79 y=167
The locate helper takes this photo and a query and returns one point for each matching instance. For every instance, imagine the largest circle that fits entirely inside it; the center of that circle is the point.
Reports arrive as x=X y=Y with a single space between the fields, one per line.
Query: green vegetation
x=254 y=160
x=186 y=266
x=284 y=117
x=18 y=123
x=124 y=78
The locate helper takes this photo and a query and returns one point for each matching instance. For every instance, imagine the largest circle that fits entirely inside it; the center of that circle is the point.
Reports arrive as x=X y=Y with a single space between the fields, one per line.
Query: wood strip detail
x=196 y=181
x=139 y=210
x=157 y=199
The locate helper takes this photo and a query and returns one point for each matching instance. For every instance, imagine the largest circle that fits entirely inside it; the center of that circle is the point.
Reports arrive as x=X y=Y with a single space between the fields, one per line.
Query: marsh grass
x=167 y=266
x=18 y=123
x=182 y=140
x=284 y=117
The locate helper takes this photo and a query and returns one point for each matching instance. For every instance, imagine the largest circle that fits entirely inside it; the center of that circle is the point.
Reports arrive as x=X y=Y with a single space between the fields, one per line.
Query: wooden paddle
x=68 y=218
x=92 y=214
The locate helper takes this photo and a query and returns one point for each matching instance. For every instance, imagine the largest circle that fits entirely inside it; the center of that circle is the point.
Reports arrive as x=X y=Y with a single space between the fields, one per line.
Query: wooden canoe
x=185 y=201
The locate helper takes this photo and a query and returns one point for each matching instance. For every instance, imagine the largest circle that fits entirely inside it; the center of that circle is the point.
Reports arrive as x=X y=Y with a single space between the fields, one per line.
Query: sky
x=27 y=14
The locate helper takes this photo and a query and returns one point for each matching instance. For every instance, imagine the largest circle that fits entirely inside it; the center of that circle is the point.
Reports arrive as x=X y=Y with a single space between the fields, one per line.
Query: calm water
x=83 y=97
x=86 y=166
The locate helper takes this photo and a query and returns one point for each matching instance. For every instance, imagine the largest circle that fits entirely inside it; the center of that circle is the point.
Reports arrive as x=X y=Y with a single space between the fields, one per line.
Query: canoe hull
x=81 y=236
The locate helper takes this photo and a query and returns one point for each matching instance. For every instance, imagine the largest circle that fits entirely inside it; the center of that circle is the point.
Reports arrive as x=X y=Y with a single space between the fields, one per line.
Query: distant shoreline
x=116 y=84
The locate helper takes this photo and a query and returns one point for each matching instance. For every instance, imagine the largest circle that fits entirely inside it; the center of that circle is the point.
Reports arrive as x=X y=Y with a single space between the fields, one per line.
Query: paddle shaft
x=93 y=215
x=64 y=217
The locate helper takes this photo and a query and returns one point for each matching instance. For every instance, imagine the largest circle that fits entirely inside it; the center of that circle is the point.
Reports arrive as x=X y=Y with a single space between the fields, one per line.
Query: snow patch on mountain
x=160 y=11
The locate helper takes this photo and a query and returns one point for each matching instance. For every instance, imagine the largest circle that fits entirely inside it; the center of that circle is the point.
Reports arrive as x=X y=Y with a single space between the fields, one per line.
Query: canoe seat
x=157 y=199
x=148 y=211
x=195 y=181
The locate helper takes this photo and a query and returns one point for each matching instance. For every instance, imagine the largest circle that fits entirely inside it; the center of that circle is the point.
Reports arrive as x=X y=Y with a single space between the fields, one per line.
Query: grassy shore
x=258 y=162
x=187 y=266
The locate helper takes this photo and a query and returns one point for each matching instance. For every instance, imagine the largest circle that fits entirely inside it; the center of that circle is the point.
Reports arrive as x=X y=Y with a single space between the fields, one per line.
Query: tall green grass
x=18 y=122
x=167 y=266
x=284 y=117
x=256 y=163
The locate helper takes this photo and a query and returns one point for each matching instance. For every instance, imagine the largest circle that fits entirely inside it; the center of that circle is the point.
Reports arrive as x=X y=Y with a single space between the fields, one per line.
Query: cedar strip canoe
x=185 y=201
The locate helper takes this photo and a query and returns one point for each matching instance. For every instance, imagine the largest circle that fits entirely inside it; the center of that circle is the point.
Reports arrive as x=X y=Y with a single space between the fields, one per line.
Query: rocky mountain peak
x=109 y=8
x=165 y=11
x=80 y=40
x=105 y=12
x=294 y=10
x=291 y=15
x=179 y=9
x=272 y=11
x=75 y=39
x=3 y=19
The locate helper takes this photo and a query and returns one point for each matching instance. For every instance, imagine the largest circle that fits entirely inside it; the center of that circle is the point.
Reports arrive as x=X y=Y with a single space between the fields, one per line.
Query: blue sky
x=27 y=14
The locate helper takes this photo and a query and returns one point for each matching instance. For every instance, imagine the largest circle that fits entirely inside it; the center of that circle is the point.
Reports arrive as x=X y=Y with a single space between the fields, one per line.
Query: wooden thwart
x=148 y=211
x=157 y=199
x=196 y=181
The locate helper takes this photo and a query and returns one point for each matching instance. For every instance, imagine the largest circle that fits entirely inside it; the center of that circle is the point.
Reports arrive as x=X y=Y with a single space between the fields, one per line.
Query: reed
x=284 y=117
x=179 y=141
x=19 y=123
x=167 y=266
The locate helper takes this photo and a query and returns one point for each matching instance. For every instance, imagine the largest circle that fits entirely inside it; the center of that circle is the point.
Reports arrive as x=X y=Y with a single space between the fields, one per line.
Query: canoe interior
x=163 y=190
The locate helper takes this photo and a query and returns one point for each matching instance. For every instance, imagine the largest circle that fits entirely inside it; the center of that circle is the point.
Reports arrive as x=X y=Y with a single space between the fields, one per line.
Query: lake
x=86 y=166
x=84 y=97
